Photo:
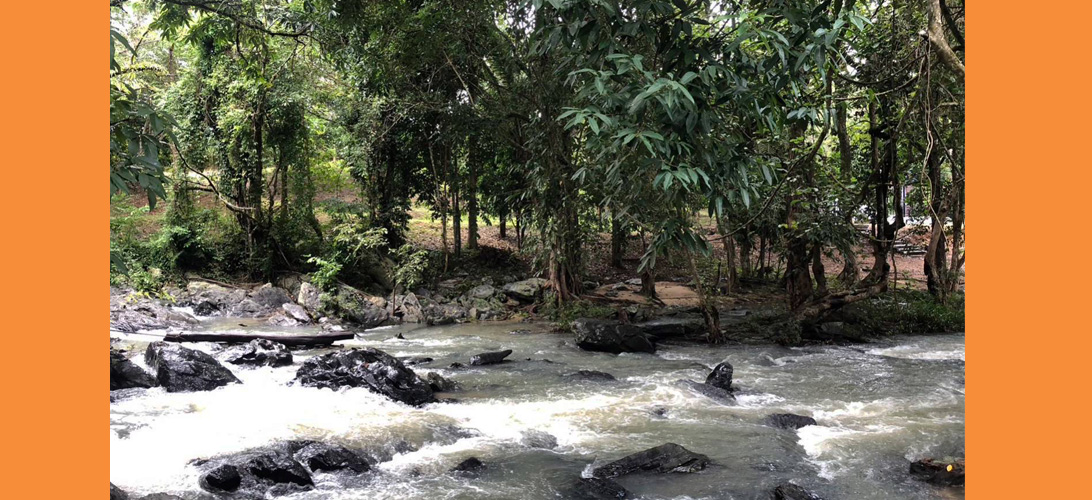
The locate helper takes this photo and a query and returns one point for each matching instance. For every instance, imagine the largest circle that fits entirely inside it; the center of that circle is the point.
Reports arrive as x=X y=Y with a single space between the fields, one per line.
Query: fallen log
x=242 y=338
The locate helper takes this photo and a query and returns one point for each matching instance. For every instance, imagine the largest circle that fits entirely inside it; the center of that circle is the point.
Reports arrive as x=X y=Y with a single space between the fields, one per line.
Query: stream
x=878 y=406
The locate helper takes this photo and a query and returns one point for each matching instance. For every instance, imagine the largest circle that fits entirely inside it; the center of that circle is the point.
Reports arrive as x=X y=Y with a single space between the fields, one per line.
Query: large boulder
x=489 y=358
x=179 y=369
x=370 y=368
x=296 y=312
x=721 y=376
x=310 y=297
x=788 y=421
x=668 y=457
x=534 y=438
x=269 y=297
x=673 y=327
x=208 y=299
x=440 y=384
x=329 y=458
x=443 y=314
x=125 y=374
x=469 y=465
x=789 y=491
x=356 y=307
x=528 y=290
x=223 y=477
x=947 y=472
x=408 y=308
x=259 y=352
x=131 y=312
x=481 y=292
x=593 y=488
x=610 y=336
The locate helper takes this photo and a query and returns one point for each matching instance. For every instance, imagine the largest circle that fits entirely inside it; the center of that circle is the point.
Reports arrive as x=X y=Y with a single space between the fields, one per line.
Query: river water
x=878 y=406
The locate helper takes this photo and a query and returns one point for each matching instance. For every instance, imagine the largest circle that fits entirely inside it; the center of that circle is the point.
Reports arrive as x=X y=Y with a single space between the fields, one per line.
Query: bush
x=908 y=312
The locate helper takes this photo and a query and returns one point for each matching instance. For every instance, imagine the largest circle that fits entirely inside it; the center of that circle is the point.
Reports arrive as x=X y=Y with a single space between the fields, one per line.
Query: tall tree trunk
x=819 y=271
x=850 y=273
x=617 y=241
x=472 y=208
x=503 y=223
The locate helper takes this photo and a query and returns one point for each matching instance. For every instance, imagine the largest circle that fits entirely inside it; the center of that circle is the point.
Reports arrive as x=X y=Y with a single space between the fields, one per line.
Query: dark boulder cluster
x=947 y=472
x=281 y=469
x=369 y=368
x=717 y=385
x=124 y=374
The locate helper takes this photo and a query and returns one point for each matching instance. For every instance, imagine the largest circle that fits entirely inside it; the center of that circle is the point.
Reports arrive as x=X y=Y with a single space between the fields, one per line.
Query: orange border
x=55 y=249
x=1028 y=106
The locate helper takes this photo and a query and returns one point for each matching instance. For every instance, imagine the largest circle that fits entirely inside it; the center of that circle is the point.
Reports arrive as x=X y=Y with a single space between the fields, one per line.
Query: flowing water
x=878 y=406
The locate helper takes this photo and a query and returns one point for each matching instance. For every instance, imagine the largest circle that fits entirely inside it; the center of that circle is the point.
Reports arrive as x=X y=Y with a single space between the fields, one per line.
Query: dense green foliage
x=296 y=135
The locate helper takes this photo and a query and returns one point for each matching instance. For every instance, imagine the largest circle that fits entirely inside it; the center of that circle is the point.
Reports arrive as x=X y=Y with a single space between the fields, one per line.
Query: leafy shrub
x=325 y=275
x=414 y=266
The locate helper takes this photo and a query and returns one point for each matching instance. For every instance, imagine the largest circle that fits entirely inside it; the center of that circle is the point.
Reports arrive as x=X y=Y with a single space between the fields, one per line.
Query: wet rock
x=416 y=360
x=520 y=332
x=610 y=336
x=269 y=297
x=161 y=496
x=946 y=472
x=489 y=358
x=281 y=318
x=125 y=374
x=659 y=411
x=456 y=365
x=208 y=299
x=441 y=384
x=368 y=367
x=708 y=391
x=444 y=314
x=471 y=464
x=259 y=352
x=277 y=467
x=534 y=438
x=356 y=307
x=788 y=421
x=721 y=376
x=330 y=458
x=400 y=337
x=668 y=457
x=593 y=488
x=408 y=308
x=179 y=369
x=117 y=493
x=592 y=375
x=224 y=477
x=525 y=291
x=789 y=491
x=296 y=312
x=673 y=327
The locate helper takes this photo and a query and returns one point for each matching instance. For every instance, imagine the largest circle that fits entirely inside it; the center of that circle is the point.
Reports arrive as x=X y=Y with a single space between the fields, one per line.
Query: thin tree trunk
x=708 y=309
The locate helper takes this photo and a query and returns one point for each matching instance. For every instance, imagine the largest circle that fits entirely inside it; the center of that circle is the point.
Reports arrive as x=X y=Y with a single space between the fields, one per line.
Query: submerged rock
x=330 y=458
x=721 y=376
x=471 y=464
x=592 y=375
x=789 y=491
x=179 y=369
x=124 y=374
x=533 y=438
x=788 y=421
x=259 y=352
x=440 y=384
x=668 y=457
x=939 y=472
x=368 y=367
x=489 y=358
x=593 y=488
x=417 y=360
x=610 y=336
x=708 y=391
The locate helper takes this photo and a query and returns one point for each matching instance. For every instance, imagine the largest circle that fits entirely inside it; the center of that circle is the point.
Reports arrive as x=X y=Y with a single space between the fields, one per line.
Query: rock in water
x=368 y=367
x=125 y=374
x=117 y=493
x=534 y=438
x=441 y=384
x=721 y=376
x=471 y=464
x=708 y=391
x=939 y=472
x=278 y=468
x=161 y=496
x=593 y=488
x=329 y=458
x=668 y=457
x=224 y=477
x=592 y=375
x=296 y=312
x=179 y=369
x=259 y=352
x=609 y=336
x=489 y=358
x=789 y=491
x=788 y=421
